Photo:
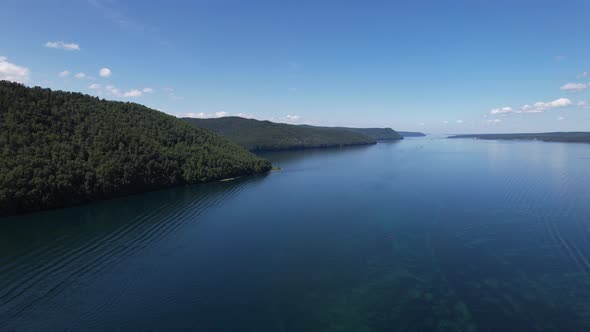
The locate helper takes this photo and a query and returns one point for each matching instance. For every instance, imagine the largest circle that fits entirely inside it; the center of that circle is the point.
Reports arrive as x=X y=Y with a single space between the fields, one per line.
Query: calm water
x=424 y=234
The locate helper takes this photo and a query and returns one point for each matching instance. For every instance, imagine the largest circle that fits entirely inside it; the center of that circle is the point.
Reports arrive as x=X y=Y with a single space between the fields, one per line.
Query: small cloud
x=80 y=75
x=492 y=121
x=63 y=46
x=195 y=115
x=560 y=118
x=573 y=87
x=104 y=72
x=203 y=115
x=583 y=104
x=112 y=91
x=459 y=121
x=502 y=110
x=11 y=72
x=541 y=106
x=148 y=90
x=583 y=75
x=293 y=117
x=133 y=93
x=445 y=122
x=538 y=107
x=421 y=123
x=64 y=73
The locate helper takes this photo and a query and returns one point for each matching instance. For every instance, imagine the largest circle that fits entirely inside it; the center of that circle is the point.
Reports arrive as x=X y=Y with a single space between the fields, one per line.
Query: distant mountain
x=380 y=134
x=257 y=135
x=574 y=137
x=411 y=134
x=59 y=149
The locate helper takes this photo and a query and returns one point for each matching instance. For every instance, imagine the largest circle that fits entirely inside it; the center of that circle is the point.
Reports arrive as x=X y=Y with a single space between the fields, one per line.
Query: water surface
x=419 y=235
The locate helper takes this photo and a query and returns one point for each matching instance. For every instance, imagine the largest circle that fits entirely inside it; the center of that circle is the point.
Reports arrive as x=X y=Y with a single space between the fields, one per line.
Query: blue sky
x=433 y=66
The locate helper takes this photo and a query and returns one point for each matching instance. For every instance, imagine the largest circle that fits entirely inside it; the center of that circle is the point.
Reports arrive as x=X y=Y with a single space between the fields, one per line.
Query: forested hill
x=571 y=137
x=380 y=134
x=258 y=135
x=411 y=134
x=59 y=149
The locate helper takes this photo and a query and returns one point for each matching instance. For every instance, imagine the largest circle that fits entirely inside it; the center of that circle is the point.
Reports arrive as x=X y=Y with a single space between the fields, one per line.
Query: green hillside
x=411 y=134
x=59 y=149
x=380 y=134
x=258 y=135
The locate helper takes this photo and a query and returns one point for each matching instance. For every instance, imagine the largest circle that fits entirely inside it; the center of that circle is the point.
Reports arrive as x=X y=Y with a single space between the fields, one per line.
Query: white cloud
x=421 y=123
x=542 y=106
x=538 y=107
x=195 y=115
x=80 y=75
x=63 y=46
x=64 y=73
x=494 y=121
x=203 y=115
x=502 y=110
x=293 y=117
x=11 y=72
x=445 y=122
x=560 y=118
x=132 y=93
x=104 y=72
x=147 y=90
x=583 y=75
x=573 y=87
x=112 y=91
x=459 y=121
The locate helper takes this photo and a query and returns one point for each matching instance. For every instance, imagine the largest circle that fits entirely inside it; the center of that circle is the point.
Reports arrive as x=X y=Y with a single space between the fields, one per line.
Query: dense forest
x=572 y=137
x=411 y=134
x=258 y=135
x=380 y=134
x=60 y=148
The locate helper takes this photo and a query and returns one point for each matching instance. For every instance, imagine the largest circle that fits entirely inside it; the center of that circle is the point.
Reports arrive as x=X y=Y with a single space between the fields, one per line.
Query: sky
x=439 y=67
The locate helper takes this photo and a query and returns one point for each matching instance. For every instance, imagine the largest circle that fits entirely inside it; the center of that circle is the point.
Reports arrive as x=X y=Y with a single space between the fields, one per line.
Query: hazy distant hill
x=60 y=148
x=411 y=134
x=258 y=135
x=380 y=134
x=574 y=137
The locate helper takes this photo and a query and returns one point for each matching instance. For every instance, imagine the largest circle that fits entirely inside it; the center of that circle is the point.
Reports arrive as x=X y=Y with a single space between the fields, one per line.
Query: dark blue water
x=420 y=235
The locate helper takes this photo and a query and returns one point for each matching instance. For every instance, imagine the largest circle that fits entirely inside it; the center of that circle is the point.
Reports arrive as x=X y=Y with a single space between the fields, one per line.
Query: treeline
x=411 y=134
x=59 y=149
x=379 y=134
x=566 y=137
x=258 y=135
